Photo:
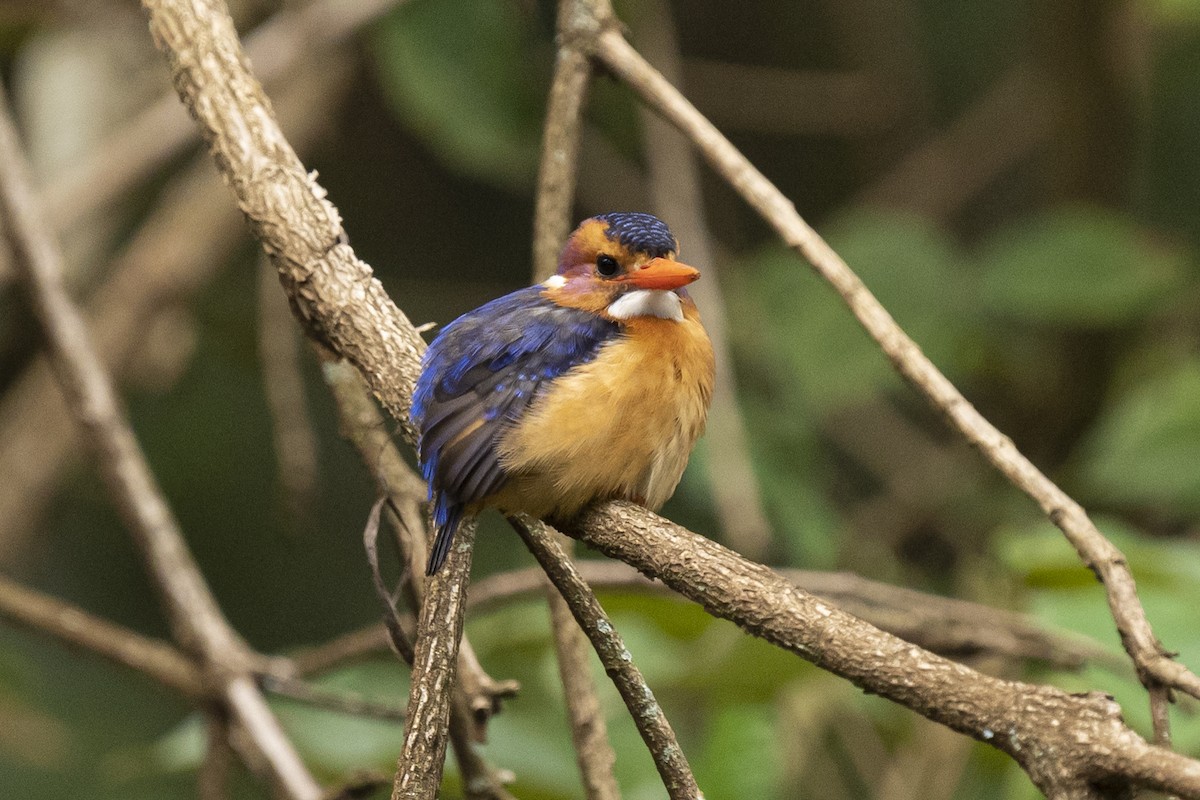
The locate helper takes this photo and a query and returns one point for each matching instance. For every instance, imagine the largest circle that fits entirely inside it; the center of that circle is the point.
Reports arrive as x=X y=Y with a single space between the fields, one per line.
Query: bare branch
x=1152 y=660
x=1062 y=740
x=337 y=298
x=651 y=723
x=75 y=627
x=195 y=619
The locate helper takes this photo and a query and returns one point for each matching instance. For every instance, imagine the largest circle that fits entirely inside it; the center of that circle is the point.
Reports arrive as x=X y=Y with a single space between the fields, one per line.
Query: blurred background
x=1019 y=183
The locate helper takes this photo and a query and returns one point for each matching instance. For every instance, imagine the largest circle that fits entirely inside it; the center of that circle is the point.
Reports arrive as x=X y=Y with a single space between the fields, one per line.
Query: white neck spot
x=647 y=303
x=555 y=282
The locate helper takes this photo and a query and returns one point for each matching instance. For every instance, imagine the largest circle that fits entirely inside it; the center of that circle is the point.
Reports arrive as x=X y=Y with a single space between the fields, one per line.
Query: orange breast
x=620 y=426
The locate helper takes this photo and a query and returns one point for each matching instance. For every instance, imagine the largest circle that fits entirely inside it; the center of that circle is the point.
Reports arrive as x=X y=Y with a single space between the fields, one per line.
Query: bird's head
x=622 y=266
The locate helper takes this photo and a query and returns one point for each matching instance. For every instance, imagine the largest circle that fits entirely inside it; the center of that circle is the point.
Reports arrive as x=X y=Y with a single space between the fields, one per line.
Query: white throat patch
x=648 y=303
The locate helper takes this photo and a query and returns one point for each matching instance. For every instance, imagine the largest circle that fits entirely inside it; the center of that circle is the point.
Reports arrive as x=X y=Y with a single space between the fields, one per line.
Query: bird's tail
x=447 y=516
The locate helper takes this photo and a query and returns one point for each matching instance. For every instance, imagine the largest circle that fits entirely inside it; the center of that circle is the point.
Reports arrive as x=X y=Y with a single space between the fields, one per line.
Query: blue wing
x=478 y=376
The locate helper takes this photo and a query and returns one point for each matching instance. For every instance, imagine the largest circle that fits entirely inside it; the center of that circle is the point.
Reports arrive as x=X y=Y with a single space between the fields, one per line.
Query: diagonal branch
x=195 y=618
x=1068 y=743
x=1153 y=662
x=651 y=723
x=75 y=627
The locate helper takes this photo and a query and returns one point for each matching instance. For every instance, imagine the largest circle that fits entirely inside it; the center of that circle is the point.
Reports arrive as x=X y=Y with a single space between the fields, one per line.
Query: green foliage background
x=1063 y=299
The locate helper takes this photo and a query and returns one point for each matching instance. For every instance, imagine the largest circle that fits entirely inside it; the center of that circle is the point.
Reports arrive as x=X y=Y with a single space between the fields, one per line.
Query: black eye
x=607 y=266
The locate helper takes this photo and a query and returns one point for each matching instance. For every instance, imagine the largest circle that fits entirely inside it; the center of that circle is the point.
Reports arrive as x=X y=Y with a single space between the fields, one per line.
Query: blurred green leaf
x=794 y=328
x=462 y=74
x=1175 y=10
x=1143 y=450
x=741 y=756
x=1077 y=266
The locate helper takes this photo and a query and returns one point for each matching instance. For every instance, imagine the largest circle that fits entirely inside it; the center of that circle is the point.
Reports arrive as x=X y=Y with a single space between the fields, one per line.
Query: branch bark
x=195 y=618
x=1080 y=741
x=1068 y=743
x=651 y=723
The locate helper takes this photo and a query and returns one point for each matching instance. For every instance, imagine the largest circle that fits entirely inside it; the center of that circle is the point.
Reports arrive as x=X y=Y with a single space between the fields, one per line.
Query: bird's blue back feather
x=481 y=374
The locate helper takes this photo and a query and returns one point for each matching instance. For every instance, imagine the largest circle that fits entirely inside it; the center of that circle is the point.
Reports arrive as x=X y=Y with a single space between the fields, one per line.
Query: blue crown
x=643 y=233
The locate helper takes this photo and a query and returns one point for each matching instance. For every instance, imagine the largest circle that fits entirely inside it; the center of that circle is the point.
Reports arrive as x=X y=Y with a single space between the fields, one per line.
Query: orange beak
x=662 y=273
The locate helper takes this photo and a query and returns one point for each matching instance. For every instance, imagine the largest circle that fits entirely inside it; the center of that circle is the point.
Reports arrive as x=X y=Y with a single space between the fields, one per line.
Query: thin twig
x=73 y=626
x=1152 y=660
x=651 y=723
x=364 y=427
x=674 y=179
x=400 y=639
x=195 y=618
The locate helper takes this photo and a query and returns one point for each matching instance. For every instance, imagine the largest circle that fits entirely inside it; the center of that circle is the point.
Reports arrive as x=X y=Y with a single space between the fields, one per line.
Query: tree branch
x=75 y=627
x=1064 y=741
x=419 y=771
x=195 y=618
x=1153 y=662
x=651 y=723
x=1079 y=740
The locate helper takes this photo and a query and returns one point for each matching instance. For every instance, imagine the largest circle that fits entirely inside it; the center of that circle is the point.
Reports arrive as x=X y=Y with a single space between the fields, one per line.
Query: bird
x=591 y=385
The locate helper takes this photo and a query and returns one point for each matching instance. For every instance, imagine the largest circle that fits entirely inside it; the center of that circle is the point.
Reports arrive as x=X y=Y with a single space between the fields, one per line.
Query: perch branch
x=1067 y=743
x=1153 y=662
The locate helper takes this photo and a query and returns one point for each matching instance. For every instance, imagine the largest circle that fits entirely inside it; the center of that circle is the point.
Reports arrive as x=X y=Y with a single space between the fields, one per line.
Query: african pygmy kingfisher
x=592 y=385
